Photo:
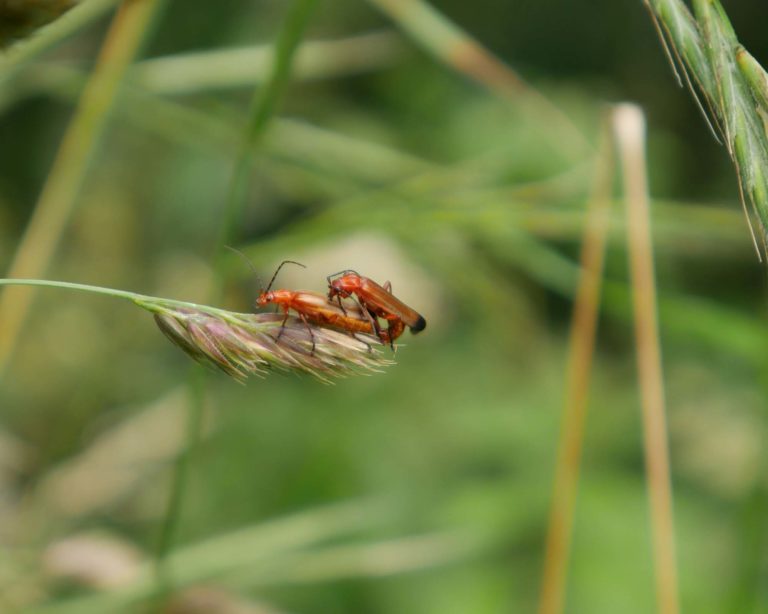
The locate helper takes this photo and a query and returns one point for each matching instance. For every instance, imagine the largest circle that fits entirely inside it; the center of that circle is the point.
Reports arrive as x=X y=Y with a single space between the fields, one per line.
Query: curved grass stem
x=242 y=344
x=142 y=300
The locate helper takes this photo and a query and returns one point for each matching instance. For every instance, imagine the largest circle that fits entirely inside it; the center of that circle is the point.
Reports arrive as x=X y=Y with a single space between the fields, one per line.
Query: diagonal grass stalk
x=59 y=194
x=262 y=110
x=580 y=357
x=629 y=127
x=193 y=433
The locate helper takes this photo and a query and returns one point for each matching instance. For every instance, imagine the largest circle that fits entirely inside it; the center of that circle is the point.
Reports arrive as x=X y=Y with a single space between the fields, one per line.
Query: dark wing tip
x=420 y=325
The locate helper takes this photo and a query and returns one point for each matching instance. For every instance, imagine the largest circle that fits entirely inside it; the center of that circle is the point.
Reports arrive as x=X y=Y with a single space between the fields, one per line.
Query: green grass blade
x=221 y=69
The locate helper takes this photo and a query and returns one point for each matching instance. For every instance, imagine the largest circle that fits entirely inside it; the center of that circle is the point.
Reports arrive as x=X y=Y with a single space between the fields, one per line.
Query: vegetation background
x=424 y=488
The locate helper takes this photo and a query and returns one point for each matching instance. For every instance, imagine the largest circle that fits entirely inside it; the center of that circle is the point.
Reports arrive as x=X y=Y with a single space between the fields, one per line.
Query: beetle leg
x=371 y=317
x=341 y=305
x=354 y=336
x=388 y=287
x=311 y=334
x=282 y=326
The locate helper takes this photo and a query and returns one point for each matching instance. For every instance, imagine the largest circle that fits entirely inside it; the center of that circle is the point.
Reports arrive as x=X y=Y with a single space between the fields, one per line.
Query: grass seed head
x=241 y=344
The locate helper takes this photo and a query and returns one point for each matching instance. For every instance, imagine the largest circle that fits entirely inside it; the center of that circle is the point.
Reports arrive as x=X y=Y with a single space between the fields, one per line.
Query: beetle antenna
x=243 y=256
x=284 y=262
x=246 y=258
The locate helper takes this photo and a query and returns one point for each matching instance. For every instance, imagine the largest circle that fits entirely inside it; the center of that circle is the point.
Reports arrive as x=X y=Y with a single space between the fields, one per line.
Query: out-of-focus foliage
x=425 y=488
x=18 y=18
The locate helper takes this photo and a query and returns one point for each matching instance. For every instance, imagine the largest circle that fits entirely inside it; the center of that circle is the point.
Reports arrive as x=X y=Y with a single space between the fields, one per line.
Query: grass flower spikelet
x=241 y=344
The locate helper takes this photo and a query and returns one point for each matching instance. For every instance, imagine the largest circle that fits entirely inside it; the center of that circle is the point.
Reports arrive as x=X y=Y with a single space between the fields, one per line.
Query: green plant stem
x=263 y=107
x=58 y=197
x=73 y=286
x=142 y=300
x=193 y=435
x=196 y=385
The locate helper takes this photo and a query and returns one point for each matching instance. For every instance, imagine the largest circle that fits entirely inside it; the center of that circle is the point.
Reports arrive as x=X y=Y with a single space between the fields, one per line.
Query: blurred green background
x=424 y=488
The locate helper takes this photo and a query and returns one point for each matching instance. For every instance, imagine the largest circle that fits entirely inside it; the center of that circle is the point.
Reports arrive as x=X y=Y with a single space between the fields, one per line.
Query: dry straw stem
x=629 y=126
x=580 y=356
x=59 y=194
x=707 y=47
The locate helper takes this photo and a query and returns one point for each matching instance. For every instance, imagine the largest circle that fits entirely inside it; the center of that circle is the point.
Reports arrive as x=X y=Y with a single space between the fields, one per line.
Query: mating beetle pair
x=373 y=302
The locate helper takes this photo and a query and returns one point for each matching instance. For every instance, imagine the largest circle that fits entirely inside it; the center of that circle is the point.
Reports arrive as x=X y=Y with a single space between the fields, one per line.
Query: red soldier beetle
x=318 y=309
x=376 y=299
